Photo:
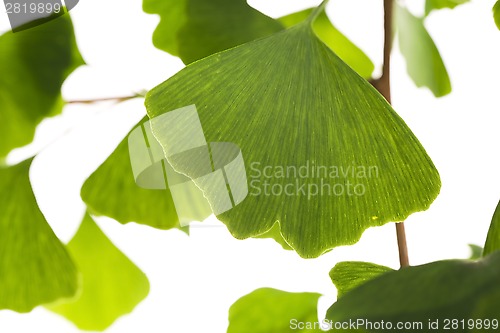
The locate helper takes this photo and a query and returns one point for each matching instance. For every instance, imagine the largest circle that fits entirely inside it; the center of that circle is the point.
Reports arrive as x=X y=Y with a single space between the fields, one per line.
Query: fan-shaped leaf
x=112 y=284
x=449 y=289
x=332 y=37
x=290 y=104
x=493 y=240
x=351 y=274
x=35 y=267
x=33 y=66
x=423 y=61
x=194 y=29
x=269 y=310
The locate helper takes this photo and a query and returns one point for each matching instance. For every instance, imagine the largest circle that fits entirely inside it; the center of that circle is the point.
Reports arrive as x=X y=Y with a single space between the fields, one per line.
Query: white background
x=195 y=279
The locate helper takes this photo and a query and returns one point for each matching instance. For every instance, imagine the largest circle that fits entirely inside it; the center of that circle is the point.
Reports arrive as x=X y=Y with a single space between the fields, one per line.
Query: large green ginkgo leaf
x=460 y=289
x=269 y=310
x=332 y=37
x=112 y=284
x=423 y=60
x=111 y=191
x=348 y=275
x=288 y=102
x=194 y=29
x=493 y=240
x=33 y=66
x=35 y=267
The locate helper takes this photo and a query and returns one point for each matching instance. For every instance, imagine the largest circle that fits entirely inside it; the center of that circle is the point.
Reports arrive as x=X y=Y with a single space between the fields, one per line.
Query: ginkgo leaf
x=112 y=191
x=269 y=310
x=493 y=240
x=496 y=13
x=423 y=60
x=332 y=37
x=33 y=66
x=112 y=284
x=194 y=29
x=431 y=5
x=290 y=104
x=35 y=267
x=348 y=275
x=460 y=289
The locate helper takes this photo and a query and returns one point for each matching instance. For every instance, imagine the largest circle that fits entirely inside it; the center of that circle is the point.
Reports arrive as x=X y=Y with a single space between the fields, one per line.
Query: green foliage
x=269 y=310
x=439 y=290
x=33 y=66
x=496 y=13
x=111 y=191
x=423 y=61
x=431 y=5
x=304 y=105
x=493 y=240
x=476 y=252
x=194 y=29
x=349 y=275
x=35 y=267
x=112 y=284
x=332 y=37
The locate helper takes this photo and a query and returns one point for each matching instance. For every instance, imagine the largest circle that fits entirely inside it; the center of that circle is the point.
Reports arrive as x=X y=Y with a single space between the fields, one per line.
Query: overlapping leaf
x=35 y=267
x=33 y=66
x=287 y=100
x=423 y=61
x=112 y=284
x=332 y=37
x=269 y=310
x=431 y=5
x=351 y=274
x=194 y=29
x=493 y=240
x=441 y=290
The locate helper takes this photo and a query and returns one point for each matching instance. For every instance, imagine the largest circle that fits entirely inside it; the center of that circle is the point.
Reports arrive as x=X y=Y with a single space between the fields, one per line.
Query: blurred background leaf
x=35 y=267
x=476 y=251
x=331 y=36
x=431 y=5
x=496 y=13
x=111 y=191
x=423 y=61
x=112 y=284
x=269 y=310
x=194 y=29
x=33 y=66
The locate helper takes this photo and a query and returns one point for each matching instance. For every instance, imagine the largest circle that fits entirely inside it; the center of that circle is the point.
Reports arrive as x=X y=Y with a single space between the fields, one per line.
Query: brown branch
x=106 y=99
x=383 y=85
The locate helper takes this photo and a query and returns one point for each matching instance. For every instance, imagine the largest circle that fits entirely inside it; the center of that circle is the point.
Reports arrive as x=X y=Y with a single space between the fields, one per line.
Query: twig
x=108 y=99
x=383 y=85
